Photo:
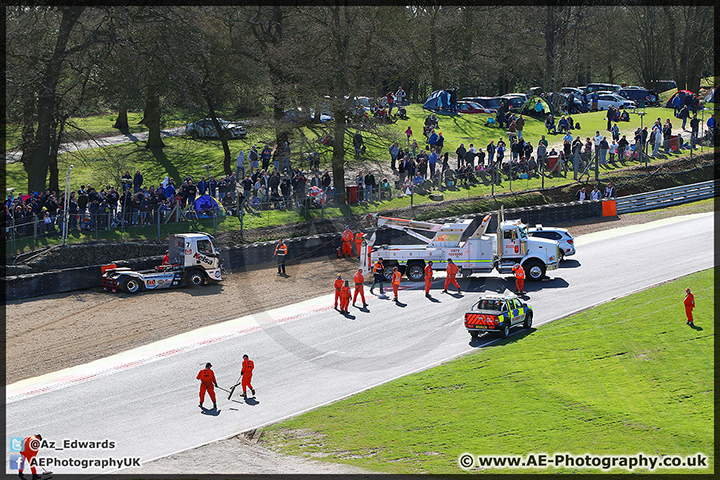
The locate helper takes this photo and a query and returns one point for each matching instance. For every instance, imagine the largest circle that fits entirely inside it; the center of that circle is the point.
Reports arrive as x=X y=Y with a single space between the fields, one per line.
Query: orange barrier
x=608 y=208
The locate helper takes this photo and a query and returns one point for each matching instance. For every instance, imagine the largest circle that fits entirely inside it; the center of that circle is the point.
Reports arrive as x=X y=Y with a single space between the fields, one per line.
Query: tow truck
x=472 y=252
x=193 y=261
x=497 y=313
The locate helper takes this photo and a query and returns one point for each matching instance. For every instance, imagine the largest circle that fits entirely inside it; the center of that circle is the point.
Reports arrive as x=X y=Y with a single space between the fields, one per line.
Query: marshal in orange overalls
x=347 y=238
x=338 y=285
x=396 y=283
x=344 y=297
x=31 y=446
x=207 y=383
x=246 y=373
x=358 y=241
x=519 y=278
x=689 y=305
x=359 y=279
x=452 y=270
x=428 y=278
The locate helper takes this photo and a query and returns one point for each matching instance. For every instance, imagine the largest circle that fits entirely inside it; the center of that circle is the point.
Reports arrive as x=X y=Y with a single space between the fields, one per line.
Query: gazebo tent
x=205 y=203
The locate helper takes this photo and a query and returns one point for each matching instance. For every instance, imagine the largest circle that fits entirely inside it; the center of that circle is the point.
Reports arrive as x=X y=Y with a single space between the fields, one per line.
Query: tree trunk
x=122 y=120
x=222 y=135
x=53 y=158
x=37 y=162
x=338 y=158
x=151 y=119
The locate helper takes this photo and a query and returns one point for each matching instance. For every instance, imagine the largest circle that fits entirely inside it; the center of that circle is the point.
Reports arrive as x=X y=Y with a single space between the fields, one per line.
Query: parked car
x=577 y=102
x=567 y=90
x=206 y=129
x=596 y=87
x=605 y=100
x=488 y=103
x=513 y=101
x=304 y=115
x=641 y=96
x=662 y=85
x=562 y=236
x=465 y=106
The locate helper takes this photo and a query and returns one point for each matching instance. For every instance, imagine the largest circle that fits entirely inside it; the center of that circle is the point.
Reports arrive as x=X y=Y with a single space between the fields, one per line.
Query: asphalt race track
x=307 y=355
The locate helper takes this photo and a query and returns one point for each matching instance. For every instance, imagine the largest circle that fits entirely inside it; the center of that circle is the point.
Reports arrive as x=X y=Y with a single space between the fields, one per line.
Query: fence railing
x=666 y=197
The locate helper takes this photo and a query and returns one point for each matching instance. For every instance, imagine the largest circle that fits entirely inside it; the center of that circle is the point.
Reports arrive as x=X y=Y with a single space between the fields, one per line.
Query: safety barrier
x=666 y=197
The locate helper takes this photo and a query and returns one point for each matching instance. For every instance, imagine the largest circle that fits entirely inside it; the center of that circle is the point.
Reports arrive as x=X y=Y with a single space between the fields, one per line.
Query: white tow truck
x=475 y=253
x=193 y=261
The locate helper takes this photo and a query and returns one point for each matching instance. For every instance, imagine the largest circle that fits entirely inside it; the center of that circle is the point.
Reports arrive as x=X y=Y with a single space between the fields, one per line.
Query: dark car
x=641 y=96
x=512 y=102
x=488 y=103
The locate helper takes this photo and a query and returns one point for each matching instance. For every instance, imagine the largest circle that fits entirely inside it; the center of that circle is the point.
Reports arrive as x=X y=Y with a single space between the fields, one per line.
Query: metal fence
x=667 y=197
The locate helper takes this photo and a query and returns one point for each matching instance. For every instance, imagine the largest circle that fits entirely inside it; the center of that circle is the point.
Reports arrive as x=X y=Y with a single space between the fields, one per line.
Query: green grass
x=625 y=377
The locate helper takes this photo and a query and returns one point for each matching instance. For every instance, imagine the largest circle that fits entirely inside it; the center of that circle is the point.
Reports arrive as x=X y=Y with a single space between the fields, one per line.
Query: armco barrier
x=299 y=249
x=666 y=197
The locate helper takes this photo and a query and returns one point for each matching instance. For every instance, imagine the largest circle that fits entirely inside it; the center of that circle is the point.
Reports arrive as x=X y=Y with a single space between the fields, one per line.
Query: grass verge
x=625 y=377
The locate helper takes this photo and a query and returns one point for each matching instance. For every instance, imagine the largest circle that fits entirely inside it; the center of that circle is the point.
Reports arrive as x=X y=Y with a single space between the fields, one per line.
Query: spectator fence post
x=35 y=230
x=158 y=223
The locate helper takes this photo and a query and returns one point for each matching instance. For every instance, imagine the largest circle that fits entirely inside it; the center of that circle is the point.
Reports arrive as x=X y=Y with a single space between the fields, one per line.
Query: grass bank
x=625 y=377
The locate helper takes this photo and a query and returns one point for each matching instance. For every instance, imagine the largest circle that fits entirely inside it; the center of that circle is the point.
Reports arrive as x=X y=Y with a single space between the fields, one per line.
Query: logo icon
x=16 y=444
x=17 y=462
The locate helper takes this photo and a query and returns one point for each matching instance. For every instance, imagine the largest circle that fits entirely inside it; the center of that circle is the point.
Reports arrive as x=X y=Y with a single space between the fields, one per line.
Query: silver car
x=560 y=235
x=206 y=129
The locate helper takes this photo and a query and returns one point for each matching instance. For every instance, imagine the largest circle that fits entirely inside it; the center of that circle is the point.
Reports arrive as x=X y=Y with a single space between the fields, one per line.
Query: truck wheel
x=505 y=332
x=132 y=285
x=535 y=270
x=415 y=271
x=528 y=320
x=562 y=256
x=196 y=278
x=474 y=335
x=388 y=270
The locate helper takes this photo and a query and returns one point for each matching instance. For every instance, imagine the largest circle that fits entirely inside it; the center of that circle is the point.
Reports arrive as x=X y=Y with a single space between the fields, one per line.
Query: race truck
x=472 y=252
x=497 y=313
x=193 y=261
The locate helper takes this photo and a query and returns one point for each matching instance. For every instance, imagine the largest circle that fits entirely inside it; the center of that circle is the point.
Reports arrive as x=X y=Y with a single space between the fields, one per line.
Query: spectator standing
x=677 y=104
x=265 y=157
x=603 y=150
x=394 y=152
x=581 y=194
x=409 y=133
x=610 y=116
x=286 y=157
x=369 y=186
x=615 y=130
x=137 y=181
x=694 y=130
x=202 y=186
x=595 y=194
x=432 y=162
x=622 y=146
x=683 y=115
x=667 y=133
x=610 y=190
x=711 y=127
x=490 y=149
x=460 y=152
x=439 y=143
x=253 y=157
x=240 y=170
x=519 y=125
x=126 y=180
x=212 y=186
x=358 y=143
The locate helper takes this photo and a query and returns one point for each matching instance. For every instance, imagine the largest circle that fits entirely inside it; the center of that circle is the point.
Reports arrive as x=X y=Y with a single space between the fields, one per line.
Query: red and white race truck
x=193 y=261
x=472 y=252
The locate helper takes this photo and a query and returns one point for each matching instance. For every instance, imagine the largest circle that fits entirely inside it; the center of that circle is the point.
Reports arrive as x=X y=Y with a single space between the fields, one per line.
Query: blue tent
x=438 y=100
x=206 y=203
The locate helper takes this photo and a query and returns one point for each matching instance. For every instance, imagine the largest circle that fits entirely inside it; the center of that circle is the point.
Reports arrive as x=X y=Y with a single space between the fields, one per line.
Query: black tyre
x=196 y=278
x=475 y=335
x=562 y=256
x=415 y=272
x=505 y=332
x=388 y=270
x=534 y=269
x=132 y=285
x=528 y=320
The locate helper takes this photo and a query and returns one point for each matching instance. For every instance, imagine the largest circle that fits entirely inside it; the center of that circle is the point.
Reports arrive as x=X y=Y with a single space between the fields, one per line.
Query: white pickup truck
x=472 y=252
x=193 y=261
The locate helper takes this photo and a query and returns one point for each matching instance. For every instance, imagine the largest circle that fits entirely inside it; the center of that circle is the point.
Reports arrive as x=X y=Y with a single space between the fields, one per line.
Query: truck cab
x=193 y=258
